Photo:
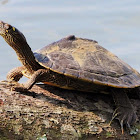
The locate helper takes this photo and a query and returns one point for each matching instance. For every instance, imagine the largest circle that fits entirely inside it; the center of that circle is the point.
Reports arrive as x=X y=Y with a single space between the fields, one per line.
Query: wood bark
x=52 y=113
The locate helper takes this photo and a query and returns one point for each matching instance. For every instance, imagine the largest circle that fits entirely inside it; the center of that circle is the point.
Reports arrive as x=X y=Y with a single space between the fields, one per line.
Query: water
x=114 y=24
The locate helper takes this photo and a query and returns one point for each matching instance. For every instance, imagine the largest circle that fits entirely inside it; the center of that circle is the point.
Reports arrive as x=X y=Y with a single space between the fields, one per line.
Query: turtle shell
x=86 y=60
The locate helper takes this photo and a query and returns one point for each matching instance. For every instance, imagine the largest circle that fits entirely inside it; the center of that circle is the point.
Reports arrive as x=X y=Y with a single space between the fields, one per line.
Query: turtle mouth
x=4 y=28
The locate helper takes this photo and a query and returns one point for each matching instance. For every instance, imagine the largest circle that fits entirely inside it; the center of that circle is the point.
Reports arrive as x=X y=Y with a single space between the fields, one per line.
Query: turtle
x=75 y=63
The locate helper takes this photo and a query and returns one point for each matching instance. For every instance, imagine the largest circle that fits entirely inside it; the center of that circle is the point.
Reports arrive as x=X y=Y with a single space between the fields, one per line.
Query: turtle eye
x=13 y=28
x=7 y=27
x=10 y=29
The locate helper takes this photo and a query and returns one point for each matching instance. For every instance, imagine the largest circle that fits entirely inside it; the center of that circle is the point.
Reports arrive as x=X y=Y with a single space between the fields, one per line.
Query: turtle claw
x=121 y=123
x=115 y=114
x=19 y=89
x=126 y=116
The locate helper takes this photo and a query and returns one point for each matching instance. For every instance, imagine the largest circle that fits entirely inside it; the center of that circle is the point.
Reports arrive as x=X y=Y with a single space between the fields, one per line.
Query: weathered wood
x=59 y=114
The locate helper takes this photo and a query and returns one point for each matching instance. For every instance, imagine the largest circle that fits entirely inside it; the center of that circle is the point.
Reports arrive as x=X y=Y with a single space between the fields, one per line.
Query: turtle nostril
x=1 y=24
x=6 y=26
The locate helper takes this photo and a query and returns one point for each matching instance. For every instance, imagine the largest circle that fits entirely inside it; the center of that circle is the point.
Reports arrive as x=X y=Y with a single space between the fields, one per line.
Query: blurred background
x=114 y=24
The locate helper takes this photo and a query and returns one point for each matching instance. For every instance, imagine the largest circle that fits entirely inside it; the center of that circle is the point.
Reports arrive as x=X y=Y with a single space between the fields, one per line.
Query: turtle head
x=11 y=35
x=4 y=28
x=18 y=42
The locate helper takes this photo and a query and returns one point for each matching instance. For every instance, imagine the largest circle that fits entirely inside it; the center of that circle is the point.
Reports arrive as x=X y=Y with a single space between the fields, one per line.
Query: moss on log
x=52 y=113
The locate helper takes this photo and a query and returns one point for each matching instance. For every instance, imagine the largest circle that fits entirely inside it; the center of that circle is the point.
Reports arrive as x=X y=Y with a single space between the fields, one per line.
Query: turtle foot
x=19 y=88
x=126 y=116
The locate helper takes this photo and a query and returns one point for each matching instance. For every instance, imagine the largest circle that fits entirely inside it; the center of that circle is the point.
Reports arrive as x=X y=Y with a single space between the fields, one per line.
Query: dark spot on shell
x=95 y=41
x=71 y=37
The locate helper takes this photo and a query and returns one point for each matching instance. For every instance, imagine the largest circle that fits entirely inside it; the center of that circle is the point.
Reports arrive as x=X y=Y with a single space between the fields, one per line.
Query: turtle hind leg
x=37 y=76
x=124 y=112
x=15 y=74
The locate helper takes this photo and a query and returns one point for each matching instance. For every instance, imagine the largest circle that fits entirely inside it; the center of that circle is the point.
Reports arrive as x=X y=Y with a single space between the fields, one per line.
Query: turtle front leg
x=15 y=74
x=124 y=112
x=38 y=76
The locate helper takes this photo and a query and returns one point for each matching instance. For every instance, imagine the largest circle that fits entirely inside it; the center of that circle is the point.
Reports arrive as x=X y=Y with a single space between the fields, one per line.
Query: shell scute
x=85 y=60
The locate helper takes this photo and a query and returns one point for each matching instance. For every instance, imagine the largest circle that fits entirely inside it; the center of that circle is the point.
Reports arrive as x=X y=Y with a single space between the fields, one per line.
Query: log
x=51 y=113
